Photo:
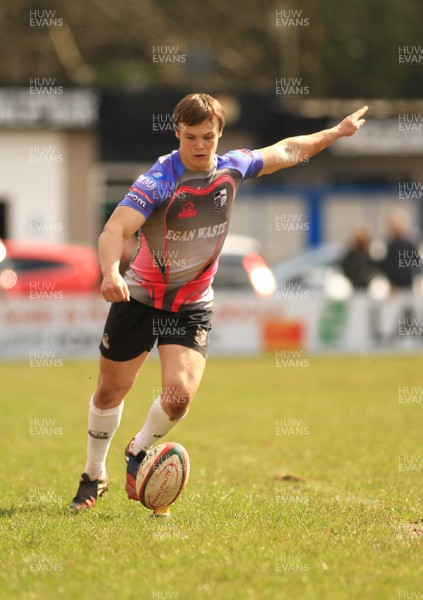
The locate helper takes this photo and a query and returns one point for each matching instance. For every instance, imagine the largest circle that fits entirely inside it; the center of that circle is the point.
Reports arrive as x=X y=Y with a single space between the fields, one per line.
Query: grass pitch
x=306 y=482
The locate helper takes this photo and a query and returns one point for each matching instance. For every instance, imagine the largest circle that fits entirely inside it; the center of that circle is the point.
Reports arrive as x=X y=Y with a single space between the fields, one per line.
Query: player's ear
x=177 y=135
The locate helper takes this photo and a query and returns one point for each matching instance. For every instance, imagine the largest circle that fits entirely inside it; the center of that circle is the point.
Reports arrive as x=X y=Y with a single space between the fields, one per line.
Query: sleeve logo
x=146 y=182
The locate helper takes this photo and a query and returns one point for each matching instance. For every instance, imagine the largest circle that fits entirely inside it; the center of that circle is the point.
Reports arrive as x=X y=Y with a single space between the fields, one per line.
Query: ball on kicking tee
x=162 y=476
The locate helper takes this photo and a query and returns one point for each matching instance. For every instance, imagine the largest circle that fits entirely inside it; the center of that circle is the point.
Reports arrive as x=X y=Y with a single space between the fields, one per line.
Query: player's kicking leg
x=106 y=405
x=182 y=370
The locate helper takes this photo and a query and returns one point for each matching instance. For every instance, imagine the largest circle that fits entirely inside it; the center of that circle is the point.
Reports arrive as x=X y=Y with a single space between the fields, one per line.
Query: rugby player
x=181 y=209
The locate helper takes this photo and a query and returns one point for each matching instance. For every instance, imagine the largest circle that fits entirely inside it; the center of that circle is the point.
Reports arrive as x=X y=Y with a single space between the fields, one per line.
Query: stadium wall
x=289 y=219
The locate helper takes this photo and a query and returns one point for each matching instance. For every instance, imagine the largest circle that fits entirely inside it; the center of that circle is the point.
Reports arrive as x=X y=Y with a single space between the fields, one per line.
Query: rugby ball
x=162 y=475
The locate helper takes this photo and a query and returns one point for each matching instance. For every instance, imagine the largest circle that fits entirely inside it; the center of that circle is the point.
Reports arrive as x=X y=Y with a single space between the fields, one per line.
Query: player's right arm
x=291 y=151
x=123 y=223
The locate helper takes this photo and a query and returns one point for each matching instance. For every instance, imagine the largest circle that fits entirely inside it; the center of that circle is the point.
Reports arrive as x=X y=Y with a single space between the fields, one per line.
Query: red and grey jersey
x=188 y=215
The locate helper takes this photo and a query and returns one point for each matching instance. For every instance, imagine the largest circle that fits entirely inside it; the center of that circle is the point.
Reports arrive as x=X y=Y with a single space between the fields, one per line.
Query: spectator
x=402 y=261
x=357 y=264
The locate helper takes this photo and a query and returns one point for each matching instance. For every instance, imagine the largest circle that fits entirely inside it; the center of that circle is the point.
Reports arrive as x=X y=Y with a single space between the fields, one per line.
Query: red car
x=28 y=266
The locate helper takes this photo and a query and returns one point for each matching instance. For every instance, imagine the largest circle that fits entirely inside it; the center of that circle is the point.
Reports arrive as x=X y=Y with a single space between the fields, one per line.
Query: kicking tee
x=187 y=214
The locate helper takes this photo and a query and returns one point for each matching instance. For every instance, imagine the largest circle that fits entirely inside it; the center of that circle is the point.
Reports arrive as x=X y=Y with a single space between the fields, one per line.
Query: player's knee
x=175 y=400
x=110 y=392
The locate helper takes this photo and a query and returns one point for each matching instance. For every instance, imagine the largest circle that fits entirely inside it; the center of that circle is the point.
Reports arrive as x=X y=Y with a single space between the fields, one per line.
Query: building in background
x=69 y=155
x=49 y=150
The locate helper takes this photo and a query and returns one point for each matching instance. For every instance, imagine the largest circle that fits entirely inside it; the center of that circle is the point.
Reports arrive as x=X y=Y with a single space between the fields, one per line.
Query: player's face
x=198 y=144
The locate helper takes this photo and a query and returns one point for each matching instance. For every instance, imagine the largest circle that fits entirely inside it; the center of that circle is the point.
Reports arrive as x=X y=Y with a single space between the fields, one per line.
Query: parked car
x=243 y=268
x=319 y=270
x=311 y=269
x=27 y=266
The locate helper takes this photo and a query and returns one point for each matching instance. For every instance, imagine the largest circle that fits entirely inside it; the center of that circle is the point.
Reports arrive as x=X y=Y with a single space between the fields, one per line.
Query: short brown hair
x=197 y=108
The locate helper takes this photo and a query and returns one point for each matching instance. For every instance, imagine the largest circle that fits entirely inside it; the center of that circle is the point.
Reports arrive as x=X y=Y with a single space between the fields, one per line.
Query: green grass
x=238 y=530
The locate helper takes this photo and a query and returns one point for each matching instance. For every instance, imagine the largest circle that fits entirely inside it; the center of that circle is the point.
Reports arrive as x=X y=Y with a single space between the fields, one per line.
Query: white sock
x=102 y=425
x=157 y=425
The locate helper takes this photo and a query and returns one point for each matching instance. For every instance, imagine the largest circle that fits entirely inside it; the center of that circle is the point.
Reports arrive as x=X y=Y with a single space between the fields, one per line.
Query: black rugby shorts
x=133 y=328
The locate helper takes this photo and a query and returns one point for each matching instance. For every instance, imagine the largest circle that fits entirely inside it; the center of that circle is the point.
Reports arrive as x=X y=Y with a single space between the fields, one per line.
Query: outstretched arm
x=294 y=150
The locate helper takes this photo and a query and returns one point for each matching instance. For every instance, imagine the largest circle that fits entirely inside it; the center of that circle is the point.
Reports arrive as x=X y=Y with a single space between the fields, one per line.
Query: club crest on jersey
x=220 y=200
x=187 y=211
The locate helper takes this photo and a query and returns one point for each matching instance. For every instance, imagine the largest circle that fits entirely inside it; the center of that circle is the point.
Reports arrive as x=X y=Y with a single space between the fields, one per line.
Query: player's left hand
x=352 y=123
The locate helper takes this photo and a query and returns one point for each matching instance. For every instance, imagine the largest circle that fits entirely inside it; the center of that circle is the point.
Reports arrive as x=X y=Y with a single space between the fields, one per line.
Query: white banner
x=64 y=327
x=242 y=325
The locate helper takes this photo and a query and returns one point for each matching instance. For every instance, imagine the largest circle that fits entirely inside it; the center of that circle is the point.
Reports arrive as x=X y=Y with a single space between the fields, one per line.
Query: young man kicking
x=181 y=208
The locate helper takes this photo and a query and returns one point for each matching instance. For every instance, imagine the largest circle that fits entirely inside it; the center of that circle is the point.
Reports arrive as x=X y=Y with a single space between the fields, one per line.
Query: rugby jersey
x=188 y=214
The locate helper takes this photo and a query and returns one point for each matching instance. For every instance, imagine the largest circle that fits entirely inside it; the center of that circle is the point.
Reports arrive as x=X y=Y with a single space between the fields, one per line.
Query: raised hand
x=352 y=123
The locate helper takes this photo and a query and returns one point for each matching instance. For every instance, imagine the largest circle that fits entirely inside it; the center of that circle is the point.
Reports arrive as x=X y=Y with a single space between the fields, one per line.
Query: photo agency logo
x=290 y=495
x=410 y=395
x=168 y=534
x=168 y=55
x=410 y=259
x=410 y=595
x=164 y=595
x=291 y=155
x=410 y=463
x=44 y=86
x=44 y=563
x=152 y=187
x=290 y=222
x=410 y=122
x=291 y=563
x=291 y=358
x=44 y=19
x=171 y=394
x=42 y=358
x=291 y=87
x=168 y=326
x=44 y=495
x=291 y=290
x=410 y=55
x=290 y=18
x=163 y=122
x=45 y=155
x=163 y=190
x=44 y=290
x=40 y=222
x=410 y=190
x=44 y=426
x=169 y=259
x=289 y=426
x=410 y=327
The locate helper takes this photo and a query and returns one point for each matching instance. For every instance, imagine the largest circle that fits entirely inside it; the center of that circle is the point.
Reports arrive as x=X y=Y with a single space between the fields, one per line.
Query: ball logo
x=155 y=501
x=162 y=475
